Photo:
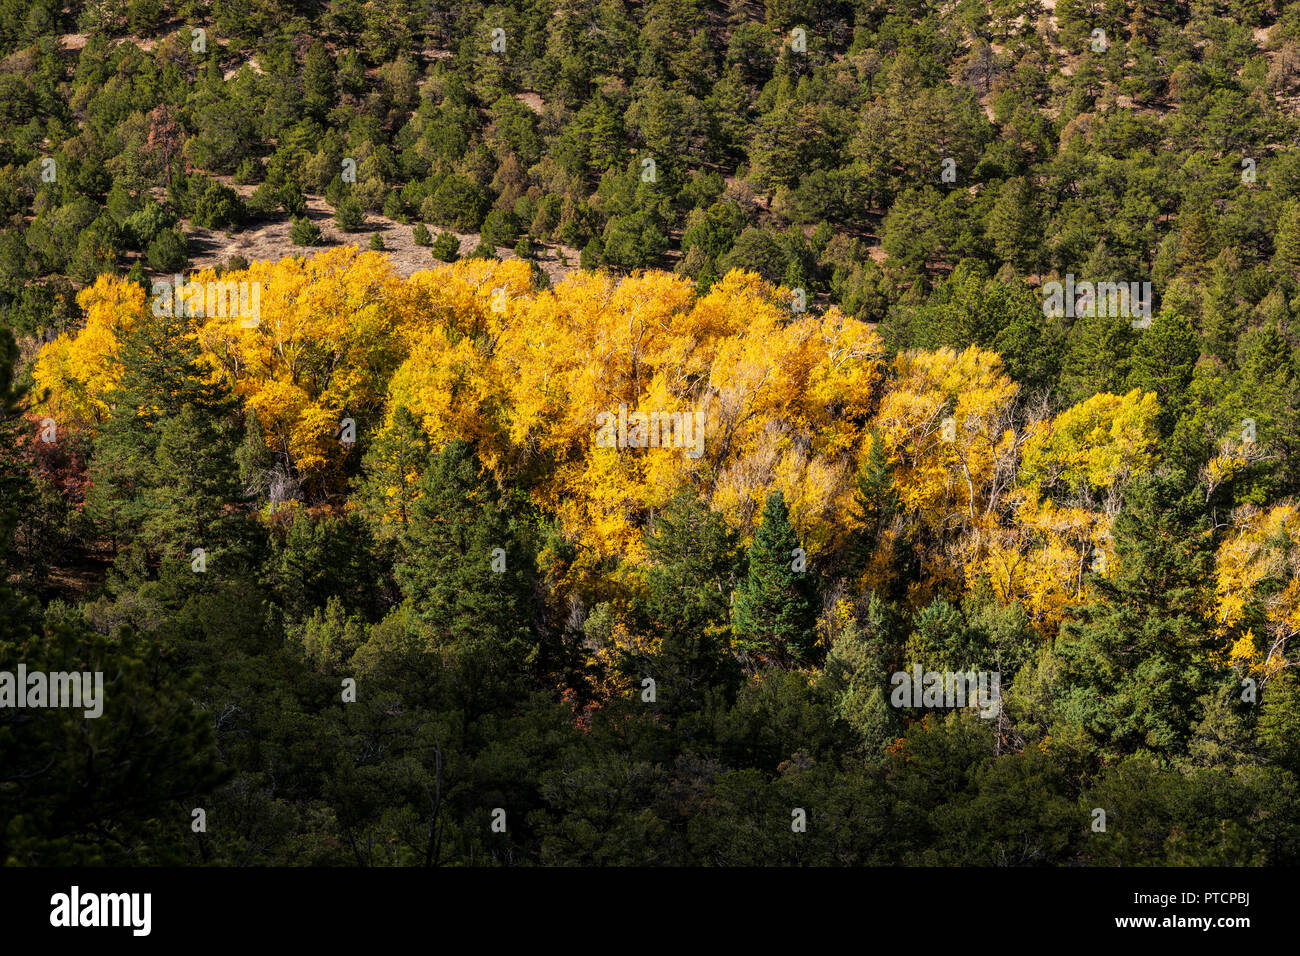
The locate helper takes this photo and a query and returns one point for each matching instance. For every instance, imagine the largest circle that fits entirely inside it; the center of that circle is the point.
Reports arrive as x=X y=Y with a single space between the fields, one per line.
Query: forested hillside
x=713 y=376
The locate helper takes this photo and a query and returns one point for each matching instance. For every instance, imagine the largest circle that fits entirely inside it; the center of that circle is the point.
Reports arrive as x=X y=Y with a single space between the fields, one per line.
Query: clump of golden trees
x=989 y=484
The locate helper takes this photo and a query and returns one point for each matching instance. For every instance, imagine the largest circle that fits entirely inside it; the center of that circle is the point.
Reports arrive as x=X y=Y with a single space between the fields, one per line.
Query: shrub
x=264 y=201
x=459 y=203
x=96 y=251
x=394 y=208
x=420 y=233
x=335 y=191
x=249 y=171
x=143 y=16
x=144 y=225
x=349 y=215
x=591 y=255
x=446 y=247
x=136 y=274
x=304 y=232
x=292 y=199
x=168 y=252
x=218 y=207
x=499 y=229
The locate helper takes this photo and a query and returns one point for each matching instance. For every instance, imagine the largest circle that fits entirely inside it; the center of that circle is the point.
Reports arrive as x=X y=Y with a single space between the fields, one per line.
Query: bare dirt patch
x=532 y=100
x=268 y=239
x=252 y=64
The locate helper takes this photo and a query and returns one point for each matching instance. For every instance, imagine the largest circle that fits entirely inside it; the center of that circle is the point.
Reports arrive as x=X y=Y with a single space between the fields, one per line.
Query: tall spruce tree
x=697 y=561
x=164 y=468
x=1140 y=658
x=874 y=503
x=467 y=568
x=1163 y=361
x=776 y=607
x=390 y=473
x=856 y=677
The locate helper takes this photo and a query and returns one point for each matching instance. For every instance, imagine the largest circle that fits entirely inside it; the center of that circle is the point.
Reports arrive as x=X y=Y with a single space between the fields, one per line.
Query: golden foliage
x=74 y=373
x=1257 y=584
x=787 y=400
x=1100 y=441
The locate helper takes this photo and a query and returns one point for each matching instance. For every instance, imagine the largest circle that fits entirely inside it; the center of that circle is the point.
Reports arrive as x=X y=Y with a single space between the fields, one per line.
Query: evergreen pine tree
x=1195 y=243
x=1013 y=225
x=856 y=677
x=1286 y=256
x=389 y=484
x=163 y=468
x=1163 y=362
x=1139 y=659
x=1097 y=357
x=98 y=802
x=874 y=503
x=1220 y=310
x=775 y=611
x=16 y=486
x=1268 y=391
x=466 y=568
x=323 y=558
x=1278 y=728
x=697 y=561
